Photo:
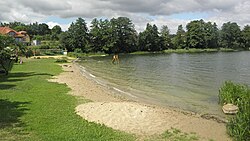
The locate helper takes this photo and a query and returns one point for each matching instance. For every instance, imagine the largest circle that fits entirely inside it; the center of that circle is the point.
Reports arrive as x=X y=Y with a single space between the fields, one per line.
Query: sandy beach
x=115 y=111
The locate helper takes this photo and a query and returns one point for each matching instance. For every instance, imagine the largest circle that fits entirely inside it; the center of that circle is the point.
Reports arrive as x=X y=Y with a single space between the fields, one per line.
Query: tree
x=64 y=39
x=123 y=34
x=246 y=37
x=20 y=28
x=165 y=36
x=114 y=36
x=43 y=29
x=96 y=35
x=55 y=31
x=179 y=40
x=230 y=35
x=149 y=39
x=78 y=36
x=38 y=29
x=211 y=35
x=196 y=34
x=6 y=53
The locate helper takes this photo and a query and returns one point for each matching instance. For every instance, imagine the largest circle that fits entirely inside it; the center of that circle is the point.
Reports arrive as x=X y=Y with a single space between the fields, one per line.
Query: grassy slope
x=31 y=108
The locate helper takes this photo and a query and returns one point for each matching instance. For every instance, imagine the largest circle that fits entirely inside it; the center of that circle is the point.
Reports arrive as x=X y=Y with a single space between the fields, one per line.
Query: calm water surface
x=186 y=81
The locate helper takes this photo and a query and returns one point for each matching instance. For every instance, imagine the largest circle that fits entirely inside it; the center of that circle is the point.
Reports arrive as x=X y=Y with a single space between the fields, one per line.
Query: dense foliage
x=6 y=53
x=118 y=35
x=238 y=126
x=10 y=51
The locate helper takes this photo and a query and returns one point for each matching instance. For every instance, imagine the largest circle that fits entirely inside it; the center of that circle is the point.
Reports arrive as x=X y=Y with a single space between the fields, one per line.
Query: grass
x=141 y=52
x=80 y=55
x=194 y=50
x=191 y=50
x=238 y=94
x=31 y=108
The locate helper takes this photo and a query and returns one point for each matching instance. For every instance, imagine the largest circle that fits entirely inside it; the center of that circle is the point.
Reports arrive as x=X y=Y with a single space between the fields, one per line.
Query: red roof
x=6 y=30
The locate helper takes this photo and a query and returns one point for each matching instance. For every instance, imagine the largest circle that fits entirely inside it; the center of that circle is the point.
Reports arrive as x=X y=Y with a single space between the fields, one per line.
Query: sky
x=160 y=12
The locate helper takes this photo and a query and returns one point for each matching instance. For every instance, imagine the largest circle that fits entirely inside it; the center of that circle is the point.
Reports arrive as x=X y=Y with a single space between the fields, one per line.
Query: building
x=36 y=42
x=20 y=36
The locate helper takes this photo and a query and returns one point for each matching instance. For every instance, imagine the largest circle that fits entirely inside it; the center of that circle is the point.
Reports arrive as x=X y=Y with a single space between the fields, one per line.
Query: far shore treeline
x=118 y=35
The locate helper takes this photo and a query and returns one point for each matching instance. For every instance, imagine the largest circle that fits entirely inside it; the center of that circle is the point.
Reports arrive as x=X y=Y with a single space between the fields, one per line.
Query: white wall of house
x=36 y=42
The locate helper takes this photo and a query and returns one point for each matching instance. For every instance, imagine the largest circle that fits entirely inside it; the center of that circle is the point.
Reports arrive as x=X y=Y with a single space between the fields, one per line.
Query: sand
x=133 y=117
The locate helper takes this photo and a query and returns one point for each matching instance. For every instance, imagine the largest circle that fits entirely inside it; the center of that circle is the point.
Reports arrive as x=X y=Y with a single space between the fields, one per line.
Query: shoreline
x=154 y=119
x=145 y=100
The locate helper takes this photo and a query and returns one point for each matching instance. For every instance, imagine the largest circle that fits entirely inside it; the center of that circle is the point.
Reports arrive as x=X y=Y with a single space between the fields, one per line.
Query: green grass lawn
x=31 y=108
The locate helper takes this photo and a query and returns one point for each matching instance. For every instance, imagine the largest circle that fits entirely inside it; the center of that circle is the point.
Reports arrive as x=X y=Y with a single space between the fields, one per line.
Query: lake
x=187 y=81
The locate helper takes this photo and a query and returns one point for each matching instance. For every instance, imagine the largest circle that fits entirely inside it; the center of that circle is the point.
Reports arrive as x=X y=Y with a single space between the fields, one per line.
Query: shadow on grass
x=11 y=113
x=6 y=86
x=26 y=74
x=15 y=77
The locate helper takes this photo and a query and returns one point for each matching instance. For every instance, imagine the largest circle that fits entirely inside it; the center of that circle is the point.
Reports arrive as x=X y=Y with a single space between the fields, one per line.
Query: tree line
x=118 y=35
x=35 y=30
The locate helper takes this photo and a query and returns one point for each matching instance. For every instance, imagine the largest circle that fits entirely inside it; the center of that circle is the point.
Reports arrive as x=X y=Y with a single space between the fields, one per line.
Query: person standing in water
x=115 y=58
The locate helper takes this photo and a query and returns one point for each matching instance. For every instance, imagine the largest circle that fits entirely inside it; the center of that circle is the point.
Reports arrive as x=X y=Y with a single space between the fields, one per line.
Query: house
x=20 y=36
x=36 y=42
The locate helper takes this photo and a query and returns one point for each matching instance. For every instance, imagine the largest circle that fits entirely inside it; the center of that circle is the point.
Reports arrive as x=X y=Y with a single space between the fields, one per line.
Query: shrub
x=238 y=126
x=61 y=61
x=49 y=53
x=28 y=53
x=44 y=46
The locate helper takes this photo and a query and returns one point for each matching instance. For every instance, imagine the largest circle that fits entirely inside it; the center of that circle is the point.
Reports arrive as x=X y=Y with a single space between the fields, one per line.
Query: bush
x=28 y=53
x=44 y=46
x=238 y=126
x=61 y=61
x=49 y=53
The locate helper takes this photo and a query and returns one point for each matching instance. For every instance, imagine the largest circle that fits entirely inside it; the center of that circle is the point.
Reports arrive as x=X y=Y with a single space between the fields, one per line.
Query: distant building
x=36 y=42
x=20 y=36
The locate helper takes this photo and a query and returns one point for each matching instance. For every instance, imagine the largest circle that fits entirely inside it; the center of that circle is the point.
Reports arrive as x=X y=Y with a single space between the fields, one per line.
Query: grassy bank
x=31 y=108
x=192 y=50
x=237 y=94
x=79 y=55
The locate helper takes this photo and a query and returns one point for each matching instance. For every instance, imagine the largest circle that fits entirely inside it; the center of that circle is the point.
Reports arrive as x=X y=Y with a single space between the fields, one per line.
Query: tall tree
x=179 y=40
x=43 y=29
x=56 y=29
x=196 y=34
x=55 y=32
x=211 y=35
x=123 y=34
x=78 y=34
x=96 y=35
x=230 y=35
x=165 y=36
x=246 y=37
x=64 y=39
x=149 y=39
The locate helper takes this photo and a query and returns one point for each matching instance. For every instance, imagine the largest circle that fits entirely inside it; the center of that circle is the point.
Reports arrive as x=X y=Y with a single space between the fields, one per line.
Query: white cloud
x=139 y=11
x=64 y=27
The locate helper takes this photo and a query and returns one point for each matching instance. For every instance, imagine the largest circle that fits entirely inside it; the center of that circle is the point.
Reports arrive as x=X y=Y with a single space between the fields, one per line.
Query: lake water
x=187 y=81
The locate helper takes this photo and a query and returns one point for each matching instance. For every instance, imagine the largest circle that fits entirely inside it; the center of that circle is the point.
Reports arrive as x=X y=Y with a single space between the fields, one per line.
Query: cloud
x=64 y=27
x=139 y=11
